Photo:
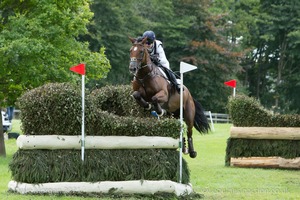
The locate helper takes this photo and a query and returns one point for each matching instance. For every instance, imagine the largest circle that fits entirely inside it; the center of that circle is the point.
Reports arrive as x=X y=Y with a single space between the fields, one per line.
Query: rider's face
x=149 y=45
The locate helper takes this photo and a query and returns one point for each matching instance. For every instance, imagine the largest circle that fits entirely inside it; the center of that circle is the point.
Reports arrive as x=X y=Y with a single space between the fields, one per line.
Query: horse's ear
x=144 y=40
x=132 y=39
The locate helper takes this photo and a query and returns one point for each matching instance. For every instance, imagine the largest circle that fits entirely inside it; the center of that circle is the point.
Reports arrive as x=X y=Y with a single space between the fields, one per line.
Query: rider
x=158 y=57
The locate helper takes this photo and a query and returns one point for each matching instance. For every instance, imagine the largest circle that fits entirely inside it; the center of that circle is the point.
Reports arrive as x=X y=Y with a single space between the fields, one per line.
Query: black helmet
x=150 y=36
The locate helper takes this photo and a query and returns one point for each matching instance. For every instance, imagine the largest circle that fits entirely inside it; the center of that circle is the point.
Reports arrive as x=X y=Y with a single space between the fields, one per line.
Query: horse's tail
x=200 y=120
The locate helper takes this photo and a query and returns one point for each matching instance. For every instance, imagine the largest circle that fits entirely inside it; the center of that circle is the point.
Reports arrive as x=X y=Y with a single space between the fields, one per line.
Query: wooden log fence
x=266 y=133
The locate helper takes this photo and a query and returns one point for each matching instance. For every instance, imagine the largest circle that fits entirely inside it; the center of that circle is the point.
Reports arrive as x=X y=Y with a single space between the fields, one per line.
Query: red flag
x=79 y=69
x=231 y=83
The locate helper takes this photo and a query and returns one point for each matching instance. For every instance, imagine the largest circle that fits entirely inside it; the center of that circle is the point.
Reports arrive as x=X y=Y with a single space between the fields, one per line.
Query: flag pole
x=181 y=128
x=184 y=67
x=80 y=69
x=234 y=92
x=82 y=119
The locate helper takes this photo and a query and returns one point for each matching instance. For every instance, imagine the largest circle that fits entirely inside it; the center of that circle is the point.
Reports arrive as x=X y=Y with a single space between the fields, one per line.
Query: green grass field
x=209 y=176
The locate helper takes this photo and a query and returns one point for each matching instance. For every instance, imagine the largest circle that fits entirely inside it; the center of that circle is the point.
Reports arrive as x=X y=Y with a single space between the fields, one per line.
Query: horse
x=152 y=90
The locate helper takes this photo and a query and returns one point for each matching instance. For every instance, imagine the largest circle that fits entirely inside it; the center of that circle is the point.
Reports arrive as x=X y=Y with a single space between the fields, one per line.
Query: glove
x=155 y=59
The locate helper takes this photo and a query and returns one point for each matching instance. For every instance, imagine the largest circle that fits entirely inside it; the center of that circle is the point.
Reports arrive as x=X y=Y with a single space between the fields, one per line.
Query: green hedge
x=117 y=100
x=56 y=109
x=237 y=147
x=42 y=166
x=247 y=112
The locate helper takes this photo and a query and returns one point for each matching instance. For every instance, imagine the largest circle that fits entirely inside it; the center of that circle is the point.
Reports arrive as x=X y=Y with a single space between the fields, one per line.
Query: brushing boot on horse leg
x=184 y=147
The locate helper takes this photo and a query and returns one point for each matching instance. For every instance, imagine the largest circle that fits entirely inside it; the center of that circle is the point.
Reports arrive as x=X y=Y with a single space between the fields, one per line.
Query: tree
x=38 y=44
x=189 y=33
x=113 y=22
x=272 y=64
x=206 y=46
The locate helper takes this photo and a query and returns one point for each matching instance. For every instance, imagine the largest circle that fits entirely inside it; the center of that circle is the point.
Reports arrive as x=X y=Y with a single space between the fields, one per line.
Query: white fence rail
x=218 y=117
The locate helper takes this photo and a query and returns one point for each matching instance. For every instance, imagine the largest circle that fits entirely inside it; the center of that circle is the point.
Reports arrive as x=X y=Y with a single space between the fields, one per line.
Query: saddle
x=169 y=74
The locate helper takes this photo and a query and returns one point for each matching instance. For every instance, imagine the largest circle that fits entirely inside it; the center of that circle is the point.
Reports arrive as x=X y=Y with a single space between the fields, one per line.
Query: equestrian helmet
x=150 y=36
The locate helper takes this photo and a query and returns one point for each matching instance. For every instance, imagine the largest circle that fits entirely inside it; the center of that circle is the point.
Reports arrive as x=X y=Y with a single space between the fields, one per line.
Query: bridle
x=138 y=61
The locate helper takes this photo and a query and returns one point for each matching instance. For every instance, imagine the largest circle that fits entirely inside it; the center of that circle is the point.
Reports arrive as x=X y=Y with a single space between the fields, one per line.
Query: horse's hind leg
x=189 y=115
x=192 y=152
x=140 y=100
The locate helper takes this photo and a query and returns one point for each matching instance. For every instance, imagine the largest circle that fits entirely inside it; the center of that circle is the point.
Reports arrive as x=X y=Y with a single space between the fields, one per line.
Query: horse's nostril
x=132 y=69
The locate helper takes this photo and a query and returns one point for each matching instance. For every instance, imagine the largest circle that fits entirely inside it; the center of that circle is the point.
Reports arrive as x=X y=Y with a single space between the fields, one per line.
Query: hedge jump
x=265 y=133
x=52 y=142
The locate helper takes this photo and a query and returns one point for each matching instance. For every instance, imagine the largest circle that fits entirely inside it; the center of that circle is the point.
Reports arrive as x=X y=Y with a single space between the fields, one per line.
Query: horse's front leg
x=157 y=99
x=140 y=100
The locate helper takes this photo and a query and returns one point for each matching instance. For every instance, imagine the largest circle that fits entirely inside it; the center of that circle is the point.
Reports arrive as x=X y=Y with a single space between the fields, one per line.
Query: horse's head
x=138 y=54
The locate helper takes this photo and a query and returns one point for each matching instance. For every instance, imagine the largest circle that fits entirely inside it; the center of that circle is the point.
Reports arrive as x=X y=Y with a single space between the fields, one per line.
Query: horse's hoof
x=193 y=154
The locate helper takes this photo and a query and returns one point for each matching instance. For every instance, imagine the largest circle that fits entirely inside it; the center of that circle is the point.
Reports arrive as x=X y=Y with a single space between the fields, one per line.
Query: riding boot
x=171 y=76
x=173 y=80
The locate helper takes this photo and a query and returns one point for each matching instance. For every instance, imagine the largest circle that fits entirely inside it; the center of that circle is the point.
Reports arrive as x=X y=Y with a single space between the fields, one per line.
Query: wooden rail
x=217 y=117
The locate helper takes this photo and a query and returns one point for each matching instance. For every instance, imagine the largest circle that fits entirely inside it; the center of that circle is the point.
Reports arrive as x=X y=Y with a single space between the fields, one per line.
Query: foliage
x=270 y=33
x=117 y=100
x=188 y=32
x=38 y=44
x=47 y=109
x=207 y=48
x=208 y=175
x=113 y=22
x=261 y=148
x=40 y=39
x=246 y=111
x=42 y=166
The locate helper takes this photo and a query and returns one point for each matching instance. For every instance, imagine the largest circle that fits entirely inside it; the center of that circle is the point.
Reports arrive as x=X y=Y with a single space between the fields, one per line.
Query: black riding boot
x=173 y=80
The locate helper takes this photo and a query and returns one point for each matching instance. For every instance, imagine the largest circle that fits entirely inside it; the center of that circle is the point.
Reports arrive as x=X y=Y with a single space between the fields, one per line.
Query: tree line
x=255 y=42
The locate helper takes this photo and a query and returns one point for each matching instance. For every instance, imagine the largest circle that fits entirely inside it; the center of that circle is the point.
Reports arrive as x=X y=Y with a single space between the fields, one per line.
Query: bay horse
x=153 y=91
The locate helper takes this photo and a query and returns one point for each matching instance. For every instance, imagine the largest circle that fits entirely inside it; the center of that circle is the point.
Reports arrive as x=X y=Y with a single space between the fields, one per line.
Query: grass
x=209 y=176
